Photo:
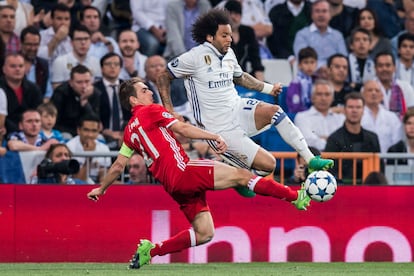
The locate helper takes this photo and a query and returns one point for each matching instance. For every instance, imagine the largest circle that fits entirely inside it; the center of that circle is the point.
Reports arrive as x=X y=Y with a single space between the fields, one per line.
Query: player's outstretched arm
x=164 y=86
x=192 y=132
x=114 y=172
x=248 y=81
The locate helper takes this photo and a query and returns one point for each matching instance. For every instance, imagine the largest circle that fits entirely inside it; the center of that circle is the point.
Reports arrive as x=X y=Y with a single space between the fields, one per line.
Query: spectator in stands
x=398 y=94
x=57 y=167
x=408 y=28
x=338 y=75
x=405 y=60
x=300 y=171
x=406 y=144
x=154 y=66
x=254 y=15
x=24 y=14
x=298 y=97
x=112 y=115
x=86 y=141
x=81 y=42
x=149 y=23
x=244 y=43
x=287 y=19
x=29 y=138
x=3 y=114
x=316 y=134
x=325 y=40
x=137 y=170
x=2 y=53
x=361 y=66
x=7 y=24
x=21 y=93
x=133 y=60
x=48 y=115
x=55 y=39
x=367 y=19
x=344 y=17
x=90 y=17
x=352 y=137
x=36 y=68
x=388 y=18
x=180 y=16
x=74 y=99
x=377 y=119
x=375 y=178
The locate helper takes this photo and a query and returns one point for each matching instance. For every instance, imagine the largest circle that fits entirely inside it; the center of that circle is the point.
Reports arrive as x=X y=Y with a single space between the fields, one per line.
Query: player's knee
x=205 y=236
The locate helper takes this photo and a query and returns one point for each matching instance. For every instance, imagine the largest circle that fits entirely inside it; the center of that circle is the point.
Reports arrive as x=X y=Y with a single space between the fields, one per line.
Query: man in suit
x=114 y=120
x=36 y=68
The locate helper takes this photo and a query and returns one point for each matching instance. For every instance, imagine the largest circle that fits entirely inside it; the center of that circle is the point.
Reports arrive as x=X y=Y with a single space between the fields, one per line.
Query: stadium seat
x=277 y=70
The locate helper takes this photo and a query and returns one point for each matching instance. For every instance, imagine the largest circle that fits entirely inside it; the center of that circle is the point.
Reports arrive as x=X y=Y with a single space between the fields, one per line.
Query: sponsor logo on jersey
x=174 y=62
x=167 y=115
x=207 y=59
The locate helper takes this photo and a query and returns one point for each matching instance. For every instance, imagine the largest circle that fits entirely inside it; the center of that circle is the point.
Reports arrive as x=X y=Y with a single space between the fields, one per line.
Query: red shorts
x=189 y=191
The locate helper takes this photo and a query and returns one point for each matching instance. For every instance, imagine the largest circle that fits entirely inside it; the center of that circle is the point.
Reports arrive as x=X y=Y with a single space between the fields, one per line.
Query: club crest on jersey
x=207 y=59
x=174 y=62
x=167 y=115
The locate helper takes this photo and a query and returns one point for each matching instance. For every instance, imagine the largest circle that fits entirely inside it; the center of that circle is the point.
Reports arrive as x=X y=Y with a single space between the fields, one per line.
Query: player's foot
x=317 y=164
x=244 y=191
x=303 y=199
x=142 y=256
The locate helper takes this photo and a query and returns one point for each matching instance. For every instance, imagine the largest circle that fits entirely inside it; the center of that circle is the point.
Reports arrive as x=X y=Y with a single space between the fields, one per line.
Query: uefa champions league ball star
x=320 y=186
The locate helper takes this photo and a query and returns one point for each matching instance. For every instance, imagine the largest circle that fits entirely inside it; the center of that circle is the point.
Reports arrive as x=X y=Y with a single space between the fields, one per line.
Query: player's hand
x=95 y=193
x=277 y=89
x=221 y=145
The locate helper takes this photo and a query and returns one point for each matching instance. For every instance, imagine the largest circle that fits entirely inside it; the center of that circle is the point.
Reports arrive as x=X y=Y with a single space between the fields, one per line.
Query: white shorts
x=241 y=148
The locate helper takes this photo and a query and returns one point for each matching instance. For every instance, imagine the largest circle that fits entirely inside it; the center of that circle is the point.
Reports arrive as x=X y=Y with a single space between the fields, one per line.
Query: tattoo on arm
x=248 y=81
x=164 y=84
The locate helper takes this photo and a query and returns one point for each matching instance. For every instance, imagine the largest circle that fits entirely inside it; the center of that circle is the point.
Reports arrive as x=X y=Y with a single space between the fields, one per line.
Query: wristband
x=267 y=88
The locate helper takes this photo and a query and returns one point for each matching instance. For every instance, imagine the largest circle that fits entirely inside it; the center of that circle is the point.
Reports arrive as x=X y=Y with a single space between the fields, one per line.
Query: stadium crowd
x=63 y=62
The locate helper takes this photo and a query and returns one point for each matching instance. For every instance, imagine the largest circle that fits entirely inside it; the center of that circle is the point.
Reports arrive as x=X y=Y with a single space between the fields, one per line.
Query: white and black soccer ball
x=320 y=185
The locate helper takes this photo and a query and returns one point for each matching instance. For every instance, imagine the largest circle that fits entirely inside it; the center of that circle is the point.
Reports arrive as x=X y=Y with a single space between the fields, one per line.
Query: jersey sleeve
x=161 y=115
x=184 y=65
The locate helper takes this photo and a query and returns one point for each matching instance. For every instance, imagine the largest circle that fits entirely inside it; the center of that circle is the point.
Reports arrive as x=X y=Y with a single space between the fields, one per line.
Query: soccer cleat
x=303 y=199
x=244 y=191
x=317 y=164
x=142 y=256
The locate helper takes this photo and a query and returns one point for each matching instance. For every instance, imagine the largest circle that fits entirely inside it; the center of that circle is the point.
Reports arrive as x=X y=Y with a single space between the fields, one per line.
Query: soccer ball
x=320 y=186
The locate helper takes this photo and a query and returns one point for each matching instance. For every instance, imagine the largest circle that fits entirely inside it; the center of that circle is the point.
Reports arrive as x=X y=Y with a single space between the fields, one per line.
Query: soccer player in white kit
x=211 y=71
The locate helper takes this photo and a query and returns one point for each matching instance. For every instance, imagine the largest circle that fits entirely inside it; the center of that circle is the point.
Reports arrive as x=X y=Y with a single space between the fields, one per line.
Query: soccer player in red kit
x=150 y=133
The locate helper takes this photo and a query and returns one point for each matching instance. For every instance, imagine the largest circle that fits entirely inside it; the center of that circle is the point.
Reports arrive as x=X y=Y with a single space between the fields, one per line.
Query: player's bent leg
x=203 y=226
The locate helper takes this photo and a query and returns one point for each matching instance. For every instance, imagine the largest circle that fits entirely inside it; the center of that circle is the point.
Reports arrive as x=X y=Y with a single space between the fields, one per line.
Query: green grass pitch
x=233 y=269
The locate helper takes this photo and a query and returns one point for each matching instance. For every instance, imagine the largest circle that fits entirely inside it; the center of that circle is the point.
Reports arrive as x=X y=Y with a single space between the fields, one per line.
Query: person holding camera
x=57 y=167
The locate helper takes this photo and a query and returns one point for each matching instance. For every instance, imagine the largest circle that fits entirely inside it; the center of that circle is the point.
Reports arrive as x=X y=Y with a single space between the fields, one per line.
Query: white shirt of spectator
x=62 y=48
x=62 y=66
x=3 y=102
x=314 y=126
x=386 y=125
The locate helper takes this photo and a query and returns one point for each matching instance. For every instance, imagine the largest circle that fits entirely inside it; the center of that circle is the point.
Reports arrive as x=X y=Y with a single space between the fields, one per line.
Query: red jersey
x=147 y=133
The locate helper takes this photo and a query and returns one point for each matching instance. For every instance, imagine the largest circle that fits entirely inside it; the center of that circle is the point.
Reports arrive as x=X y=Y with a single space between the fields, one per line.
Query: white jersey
x=209 y=83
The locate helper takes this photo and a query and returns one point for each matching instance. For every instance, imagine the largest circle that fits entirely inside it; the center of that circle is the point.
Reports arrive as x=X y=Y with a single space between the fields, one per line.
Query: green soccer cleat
x=317 y=164
x=142 y=256
x=303 y=199
x=244 y=191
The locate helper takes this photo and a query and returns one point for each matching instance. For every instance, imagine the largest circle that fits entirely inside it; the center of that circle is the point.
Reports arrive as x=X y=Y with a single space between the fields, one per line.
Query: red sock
x=269 y=187
x=174 y=244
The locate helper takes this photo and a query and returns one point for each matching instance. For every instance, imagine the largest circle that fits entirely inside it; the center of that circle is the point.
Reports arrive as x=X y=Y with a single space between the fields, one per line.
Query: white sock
x=291 y=134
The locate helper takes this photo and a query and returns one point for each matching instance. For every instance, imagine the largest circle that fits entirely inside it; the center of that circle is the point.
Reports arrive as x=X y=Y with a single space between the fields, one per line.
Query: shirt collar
x=313 y=28
x=295 y=10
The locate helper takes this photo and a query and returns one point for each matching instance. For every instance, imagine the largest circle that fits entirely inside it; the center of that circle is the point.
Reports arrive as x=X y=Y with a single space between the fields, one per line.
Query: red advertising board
x=46 y=223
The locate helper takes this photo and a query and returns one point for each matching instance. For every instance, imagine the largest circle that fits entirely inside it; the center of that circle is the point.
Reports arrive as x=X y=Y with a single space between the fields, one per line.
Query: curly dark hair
x=207 y=24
